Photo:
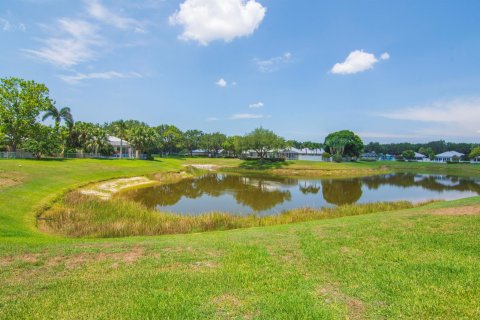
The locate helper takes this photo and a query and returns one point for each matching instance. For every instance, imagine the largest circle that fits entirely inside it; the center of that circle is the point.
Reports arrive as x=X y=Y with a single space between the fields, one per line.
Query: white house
x=420 y=157
x=448 y=156
x=311 y=154
x=117 y=144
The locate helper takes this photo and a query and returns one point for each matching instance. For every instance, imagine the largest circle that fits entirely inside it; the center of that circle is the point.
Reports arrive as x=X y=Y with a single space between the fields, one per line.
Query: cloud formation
x=103 y=14
x=273 y=64
x=358 y=61
x=71 y=41
x=77 y=41
x=205 y=21
x=245 y=116
x=78 y=77
x=256 y=105
x=457 y=117
x=6 y=26
x=221 y=83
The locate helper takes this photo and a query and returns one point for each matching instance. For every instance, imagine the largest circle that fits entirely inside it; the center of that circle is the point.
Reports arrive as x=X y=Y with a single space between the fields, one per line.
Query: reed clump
x=81 y=215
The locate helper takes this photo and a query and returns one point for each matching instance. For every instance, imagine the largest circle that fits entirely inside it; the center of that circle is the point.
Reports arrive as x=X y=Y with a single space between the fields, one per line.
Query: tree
x=213 y=142
x=98 y=139
x=21 y=102
x=344 y=143
x=375 y=147
x=120 y=129
x=81 y=133
x=44 y=141
x=57 y=115
x=311 y=145
x=170 y=137
x=475 y=153
x=142 y=138
x=408 y=154
x=262 y=141
x=192 y=140
x=234 y=144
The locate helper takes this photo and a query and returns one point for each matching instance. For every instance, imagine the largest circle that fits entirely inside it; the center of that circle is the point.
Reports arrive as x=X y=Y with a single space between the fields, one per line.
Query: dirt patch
x=26 y=258
x=331 y=294
x=227 y=305
x=74 y=261
x=10 y=179
x=457 y=211
x=203 y=265
x=105 y=190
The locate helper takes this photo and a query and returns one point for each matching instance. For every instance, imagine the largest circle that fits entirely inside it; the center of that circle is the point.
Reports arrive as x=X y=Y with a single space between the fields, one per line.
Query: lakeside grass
x=413 y=263
x=88 y=216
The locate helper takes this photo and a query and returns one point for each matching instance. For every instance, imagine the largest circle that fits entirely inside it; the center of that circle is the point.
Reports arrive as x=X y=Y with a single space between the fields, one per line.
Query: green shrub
x=337 y=158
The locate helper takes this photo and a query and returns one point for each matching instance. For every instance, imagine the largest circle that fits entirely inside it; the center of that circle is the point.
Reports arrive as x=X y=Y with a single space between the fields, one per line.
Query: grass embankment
x=88 y=216
x=417 y=263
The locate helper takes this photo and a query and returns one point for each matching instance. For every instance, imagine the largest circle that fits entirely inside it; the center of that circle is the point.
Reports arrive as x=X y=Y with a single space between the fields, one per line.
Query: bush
x=326 y=155
x=337 y=158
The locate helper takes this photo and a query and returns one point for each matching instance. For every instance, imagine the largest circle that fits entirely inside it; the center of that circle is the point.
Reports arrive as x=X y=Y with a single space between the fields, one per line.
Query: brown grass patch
x=227 y=305
x=331 y=294
x=10 y=179
x=457 y=211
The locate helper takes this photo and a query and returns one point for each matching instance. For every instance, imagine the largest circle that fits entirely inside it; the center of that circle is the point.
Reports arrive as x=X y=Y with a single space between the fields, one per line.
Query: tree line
x=25 y=106
x=429 y=149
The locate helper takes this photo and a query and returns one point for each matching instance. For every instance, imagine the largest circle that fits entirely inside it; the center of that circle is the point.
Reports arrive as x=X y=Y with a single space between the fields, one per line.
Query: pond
x=246 y=194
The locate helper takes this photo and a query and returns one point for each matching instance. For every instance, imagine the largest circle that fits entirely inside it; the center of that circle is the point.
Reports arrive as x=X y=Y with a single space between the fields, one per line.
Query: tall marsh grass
x=86 y=216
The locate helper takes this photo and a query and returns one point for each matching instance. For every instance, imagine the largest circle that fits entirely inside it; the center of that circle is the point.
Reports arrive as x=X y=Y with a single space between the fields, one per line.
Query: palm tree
x=142 y=138
x=58 y=115
x=120 y=129
x=98 y=139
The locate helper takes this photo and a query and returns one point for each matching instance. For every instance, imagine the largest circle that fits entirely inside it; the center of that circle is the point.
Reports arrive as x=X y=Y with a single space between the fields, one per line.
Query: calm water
x=263 y=196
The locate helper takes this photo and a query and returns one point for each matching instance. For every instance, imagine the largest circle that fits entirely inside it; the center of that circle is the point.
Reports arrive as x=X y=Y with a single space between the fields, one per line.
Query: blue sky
x=388 y=70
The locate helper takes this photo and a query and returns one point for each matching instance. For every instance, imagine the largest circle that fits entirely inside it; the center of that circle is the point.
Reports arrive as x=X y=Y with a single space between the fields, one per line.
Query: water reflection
x=340 y=192
x=246 y=194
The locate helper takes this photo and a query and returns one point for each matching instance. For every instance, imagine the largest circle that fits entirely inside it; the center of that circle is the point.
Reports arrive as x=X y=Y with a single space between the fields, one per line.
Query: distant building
x=121 y=146
x=371 y=156
x=448 y=156
x=420 y=157
x=387 y=157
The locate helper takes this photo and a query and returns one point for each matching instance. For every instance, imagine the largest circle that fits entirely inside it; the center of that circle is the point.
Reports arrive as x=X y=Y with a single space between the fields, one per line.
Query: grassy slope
x=399 y=264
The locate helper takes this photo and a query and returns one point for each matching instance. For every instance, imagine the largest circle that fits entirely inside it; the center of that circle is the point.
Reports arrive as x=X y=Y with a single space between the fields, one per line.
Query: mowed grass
x=411 y=263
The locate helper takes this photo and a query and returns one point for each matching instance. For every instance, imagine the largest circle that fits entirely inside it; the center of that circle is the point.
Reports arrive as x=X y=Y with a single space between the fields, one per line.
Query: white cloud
x=7 y=26
x=244 y=116
x=205 y=21
x=98 y=11
x=78 y=77
x=221 y=83
x=77 y=41
x=357 y=61
x=256 y=105
x=458 y=117
x=213 y=119
x=273 y=64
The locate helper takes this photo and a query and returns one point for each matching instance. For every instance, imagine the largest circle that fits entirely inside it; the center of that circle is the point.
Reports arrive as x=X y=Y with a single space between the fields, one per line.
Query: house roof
x=114 y=141
x=449 y=154
x=419 y=155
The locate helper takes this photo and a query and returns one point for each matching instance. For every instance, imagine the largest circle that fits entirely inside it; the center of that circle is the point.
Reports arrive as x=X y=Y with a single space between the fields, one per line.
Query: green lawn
x=417 y=263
